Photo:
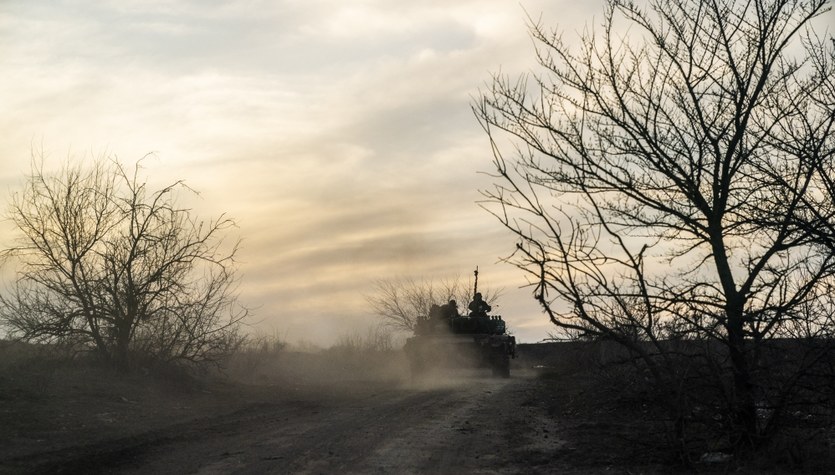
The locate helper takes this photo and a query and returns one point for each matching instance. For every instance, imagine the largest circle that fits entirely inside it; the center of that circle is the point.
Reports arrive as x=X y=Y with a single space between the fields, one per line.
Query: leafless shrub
x=400 y=301
x=104 y=261
x=672 y=190
x=255 y=360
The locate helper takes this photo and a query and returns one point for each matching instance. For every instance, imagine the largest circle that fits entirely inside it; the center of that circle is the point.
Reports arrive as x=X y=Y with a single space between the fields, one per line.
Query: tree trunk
x=743 y=408
x=121 y=359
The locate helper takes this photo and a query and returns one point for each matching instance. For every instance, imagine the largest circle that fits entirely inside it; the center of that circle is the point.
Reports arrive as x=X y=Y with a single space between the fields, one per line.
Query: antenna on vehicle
x=475 y=285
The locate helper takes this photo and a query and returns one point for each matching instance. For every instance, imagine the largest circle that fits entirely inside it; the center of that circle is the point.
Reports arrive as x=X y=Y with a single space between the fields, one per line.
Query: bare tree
x=400 y=301
x=676 y=182
x=105 y=261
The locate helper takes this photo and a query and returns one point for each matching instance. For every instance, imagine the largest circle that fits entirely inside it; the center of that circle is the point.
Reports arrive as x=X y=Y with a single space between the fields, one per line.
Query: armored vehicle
x=447 y=339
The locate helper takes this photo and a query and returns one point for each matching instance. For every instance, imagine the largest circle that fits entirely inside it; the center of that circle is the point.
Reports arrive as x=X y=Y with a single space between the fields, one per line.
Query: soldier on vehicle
x=450 y=310
x=478 y=307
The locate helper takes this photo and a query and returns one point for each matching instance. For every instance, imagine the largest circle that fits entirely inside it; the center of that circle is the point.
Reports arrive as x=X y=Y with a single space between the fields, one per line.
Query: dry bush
x=371 y=355
x=102 y=260
x=690 y=414
x=268 y=359
x=255 y=359
x=669 y=176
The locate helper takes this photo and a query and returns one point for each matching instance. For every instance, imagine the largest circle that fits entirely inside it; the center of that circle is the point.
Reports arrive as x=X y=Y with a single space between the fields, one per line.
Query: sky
x=336 y=133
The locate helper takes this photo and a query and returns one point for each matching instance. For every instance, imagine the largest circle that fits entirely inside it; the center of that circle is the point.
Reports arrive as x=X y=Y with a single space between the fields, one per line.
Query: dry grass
x=371 y=356
x=613 y=410
x=52 y=398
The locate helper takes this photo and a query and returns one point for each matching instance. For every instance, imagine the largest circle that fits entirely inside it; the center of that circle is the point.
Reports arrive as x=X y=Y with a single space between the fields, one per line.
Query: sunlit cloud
x=337 y=134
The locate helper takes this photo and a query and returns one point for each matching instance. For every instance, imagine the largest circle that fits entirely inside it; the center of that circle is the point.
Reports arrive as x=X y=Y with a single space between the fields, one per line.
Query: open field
x=308 y=413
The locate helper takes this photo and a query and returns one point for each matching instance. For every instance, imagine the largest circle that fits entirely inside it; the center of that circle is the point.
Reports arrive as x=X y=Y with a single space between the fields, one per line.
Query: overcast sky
x=337 y=133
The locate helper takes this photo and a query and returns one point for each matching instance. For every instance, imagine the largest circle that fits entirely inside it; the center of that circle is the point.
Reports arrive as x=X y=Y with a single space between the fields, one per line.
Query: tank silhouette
x=447 y=339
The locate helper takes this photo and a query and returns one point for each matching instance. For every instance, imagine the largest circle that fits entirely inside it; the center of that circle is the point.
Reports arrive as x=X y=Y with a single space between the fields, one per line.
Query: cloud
x=337 y=134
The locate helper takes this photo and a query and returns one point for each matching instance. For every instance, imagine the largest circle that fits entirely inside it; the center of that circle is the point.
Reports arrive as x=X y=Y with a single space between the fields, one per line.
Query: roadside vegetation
x=371 y=355
x=606 y=414
x=104 y=263
x=670 y=180
x=607 y=404
x=400 y=302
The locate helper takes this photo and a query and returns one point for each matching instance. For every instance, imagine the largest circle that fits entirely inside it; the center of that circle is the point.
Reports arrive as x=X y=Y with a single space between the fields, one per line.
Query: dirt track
x=473 y=425
x=322 y=414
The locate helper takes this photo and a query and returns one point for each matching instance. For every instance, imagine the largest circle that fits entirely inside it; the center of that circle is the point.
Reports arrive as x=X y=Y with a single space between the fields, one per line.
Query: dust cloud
x=351 y=361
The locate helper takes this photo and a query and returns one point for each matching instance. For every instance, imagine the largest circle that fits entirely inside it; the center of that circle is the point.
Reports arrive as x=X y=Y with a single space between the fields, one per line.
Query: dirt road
x=73 y=418
x=472 y=425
